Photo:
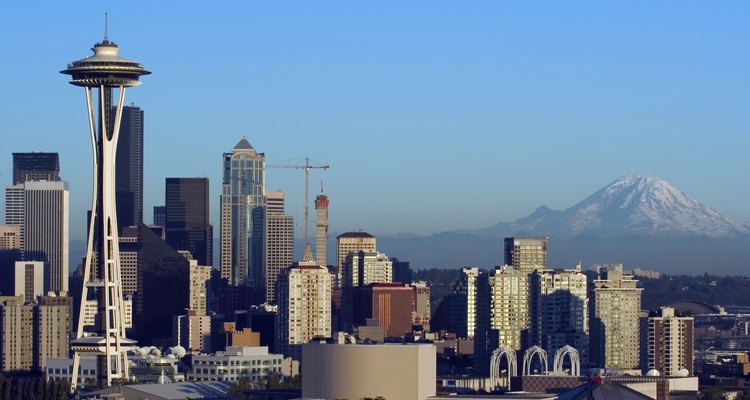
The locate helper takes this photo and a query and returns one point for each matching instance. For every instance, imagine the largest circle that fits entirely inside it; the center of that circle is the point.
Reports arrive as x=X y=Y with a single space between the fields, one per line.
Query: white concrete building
x=235 y=363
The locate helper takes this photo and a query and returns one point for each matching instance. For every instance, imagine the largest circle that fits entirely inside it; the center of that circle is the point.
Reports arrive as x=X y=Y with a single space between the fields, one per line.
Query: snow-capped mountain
x=633 y=205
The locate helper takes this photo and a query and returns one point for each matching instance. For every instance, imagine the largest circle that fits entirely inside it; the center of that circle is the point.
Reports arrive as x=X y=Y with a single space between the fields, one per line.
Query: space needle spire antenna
x=105 y=73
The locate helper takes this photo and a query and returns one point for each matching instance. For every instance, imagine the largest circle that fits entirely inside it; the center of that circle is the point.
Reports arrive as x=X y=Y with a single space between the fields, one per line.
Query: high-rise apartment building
x=670 y=343
x=321 y=229
x=129 y=177
x=614 y=325
x=280 y=243
x=30 y=333
x=559 y=310
x=304 y=306
x=464 y=303
x=187 y=217
x=35 y=167
x=509 y=307
x=526 y=254
x=243 y=215
x=199 y=276
x=352 y=242
x=40 y=209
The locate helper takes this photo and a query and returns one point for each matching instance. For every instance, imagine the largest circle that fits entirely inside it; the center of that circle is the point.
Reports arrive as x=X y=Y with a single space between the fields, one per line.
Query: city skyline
x=551 y=100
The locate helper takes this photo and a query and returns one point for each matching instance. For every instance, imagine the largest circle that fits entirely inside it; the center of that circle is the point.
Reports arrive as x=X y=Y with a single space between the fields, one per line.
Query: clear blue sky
x=433 y=115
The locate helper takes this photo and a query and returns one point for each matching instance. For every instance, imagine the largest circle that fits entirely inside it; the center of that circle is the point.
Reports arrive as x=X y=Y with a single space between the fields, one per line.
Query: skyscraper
x=670 y=343
x=464 y=307
x=280 y=233
x=304 y=301
x=509 y=307
x=40 y=209
x=526 y=254
x=129 y=179
x=35 y=167
x=243 y=216
x=187 y=217
x=321 y=229
x=615 y=332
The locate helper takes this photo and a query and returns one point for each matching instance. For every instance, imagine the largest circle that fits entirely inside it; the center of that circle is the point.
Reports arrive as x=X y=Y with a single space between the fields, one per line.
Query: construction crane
x=307 y=167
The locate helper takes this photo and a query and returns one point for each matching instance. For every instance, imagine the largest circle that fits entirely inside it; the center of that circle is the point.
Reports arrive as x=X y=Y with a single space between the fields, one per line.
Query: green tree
x=238 y=387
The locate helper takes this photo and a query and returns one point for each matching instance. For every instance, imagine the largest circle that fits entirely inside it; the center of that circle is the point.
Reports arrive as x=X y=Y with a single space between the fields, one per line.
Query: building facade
x=321 y=229
x=187 y=224
x=391 y=304
x=129 y=162
x=509 y=307
x=670 y=343
x=192 y=331
x=10 y=237
x=615 y=324
x=35 y=167
x=280 y=244
x=31 y=333
x=40 y=209
x=304 y=306
x=352 y=242
x=559 y=310
x=243 y=216
x=421 y=311
x=526 y=253
x=390 y=371
x=29 y=280
x=235 y=363
x=463 y=309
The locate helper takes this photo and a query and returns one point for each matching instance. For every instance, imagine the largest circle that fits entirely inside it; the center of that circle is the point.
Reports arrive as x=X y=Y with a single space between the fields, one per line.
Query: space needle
x=105 y=73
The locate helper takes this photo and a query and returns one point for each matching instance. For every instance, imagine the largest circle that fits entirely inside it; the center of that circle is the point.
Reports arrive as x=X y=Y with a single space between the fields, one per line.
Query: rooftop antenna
x=106 y=28
x=321 y=186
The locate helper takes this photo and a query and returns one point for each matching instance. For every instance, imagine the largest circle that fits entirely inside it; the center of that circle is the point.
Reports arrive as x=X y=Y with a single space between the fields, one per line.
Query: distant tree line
x=36 y=388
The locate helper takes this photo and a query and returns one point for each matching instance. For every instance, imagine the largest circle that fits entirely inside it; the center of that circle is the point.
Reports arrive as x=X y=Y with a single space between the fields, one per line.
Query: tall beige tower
x=304 y=305
x=321 y=229
x=280 y=244
x=614 y=326
x=509 y=306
